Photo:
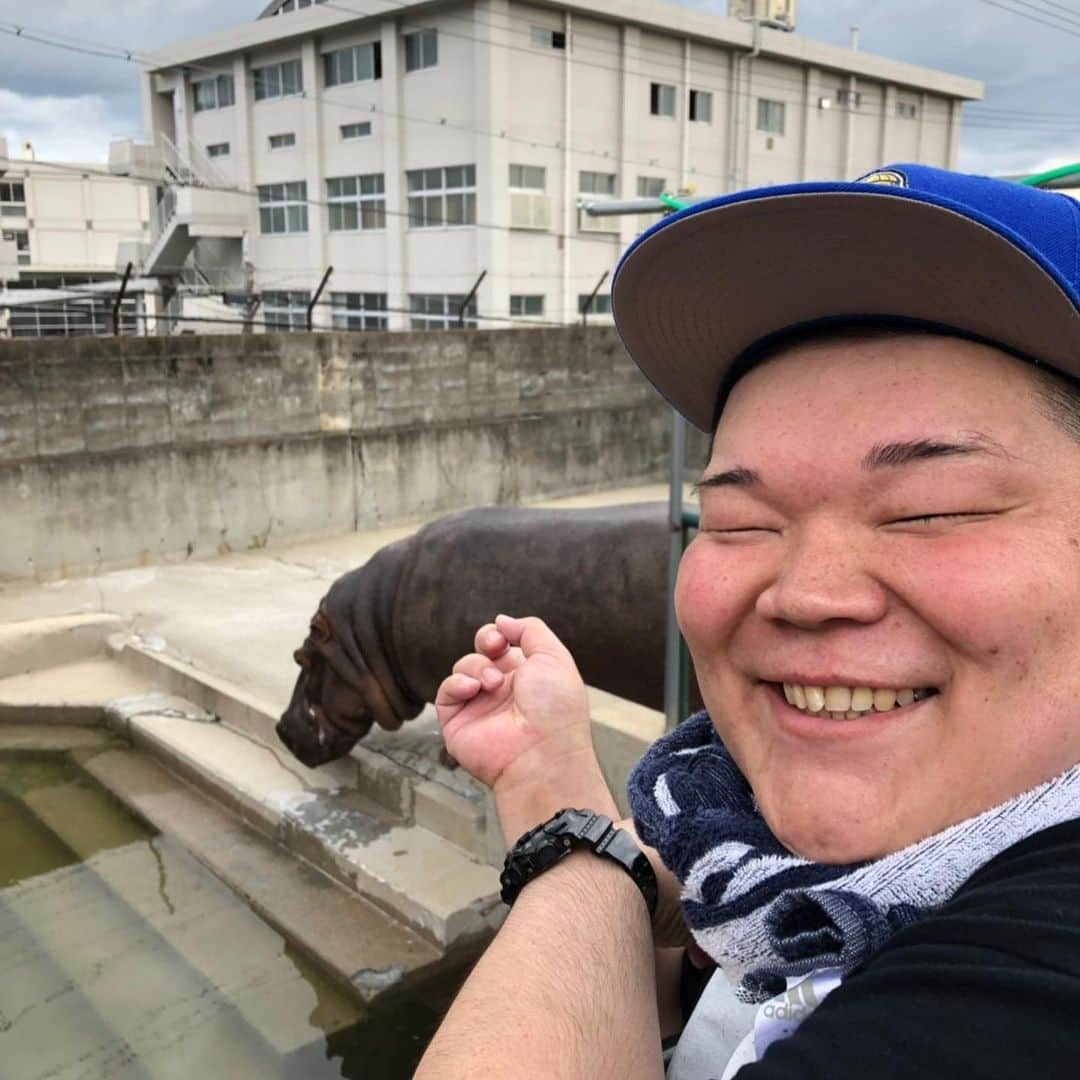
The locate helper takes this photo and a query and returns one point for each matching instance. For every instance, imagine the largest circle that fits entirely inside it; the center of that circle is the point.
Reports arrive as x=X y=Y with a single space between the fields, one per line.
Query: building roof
x=648 y=14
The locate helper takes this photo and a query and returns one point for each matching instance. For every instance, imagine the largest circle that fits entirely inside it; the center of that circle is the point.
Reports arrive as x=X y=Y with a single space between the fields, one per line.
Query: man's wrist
x=571 y=781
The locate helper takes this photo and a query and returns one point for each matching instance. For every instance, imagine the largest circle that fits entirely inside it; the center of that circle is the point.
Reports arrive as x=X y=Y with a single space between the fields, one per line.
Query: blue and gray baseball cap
x=988 y=259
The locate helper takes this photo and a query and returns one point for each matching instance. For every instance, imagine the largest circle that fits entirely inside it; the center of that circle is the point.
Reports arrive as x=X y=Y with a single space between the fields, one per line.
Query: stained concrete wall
x=126 y=451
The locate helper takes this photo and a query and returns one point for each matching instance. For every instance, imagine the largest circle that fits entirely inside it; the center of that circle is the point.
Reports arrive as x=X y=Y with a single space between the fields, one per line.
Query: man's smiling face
x=887 y=515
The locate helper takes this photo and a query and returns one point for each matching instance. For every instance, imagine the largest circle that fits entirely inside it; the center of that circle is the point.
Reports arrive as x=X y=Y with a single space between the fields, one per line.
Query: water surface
x=123 y=957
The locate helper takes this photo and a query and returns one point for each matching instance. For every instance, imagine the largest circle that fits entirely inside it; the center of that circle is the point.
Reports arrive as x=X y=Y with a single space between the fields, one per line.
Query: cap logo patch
x=889 y=177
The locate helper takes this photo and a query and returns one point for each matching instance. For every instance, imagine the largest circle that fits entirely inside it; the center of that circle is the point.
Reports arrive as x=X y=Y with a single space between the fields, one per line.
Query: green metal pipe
x=1051 y=174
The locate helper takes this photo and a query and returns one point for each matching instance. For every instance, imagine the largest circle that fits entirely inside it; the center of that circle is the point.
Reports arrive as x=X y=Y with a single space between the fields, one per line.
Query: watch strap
x=540 y=848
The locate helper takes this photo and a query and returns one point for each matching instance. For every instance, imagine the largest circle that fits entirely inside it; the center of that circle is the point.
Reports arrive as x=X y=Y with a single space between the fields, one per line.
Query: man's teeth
x=848 y=702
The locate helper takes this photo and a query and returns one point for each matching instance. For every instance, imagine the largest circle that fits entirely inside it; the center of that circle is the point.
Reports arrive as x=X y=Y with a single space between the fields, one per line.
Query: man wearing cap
x=874 y=830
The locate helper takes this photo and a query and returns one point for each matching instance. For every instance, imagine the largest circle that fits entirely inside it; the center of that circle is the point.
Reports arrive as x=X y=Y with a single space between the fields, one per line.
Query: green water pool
x=123 y=957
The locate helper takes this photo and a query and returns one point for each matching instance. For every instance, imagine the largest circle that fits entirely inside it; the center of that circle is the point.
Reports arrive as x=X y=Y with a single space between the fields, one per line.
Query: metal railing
x=197 y=279
x=681 y=521
x=192 y=167
x=164 y=211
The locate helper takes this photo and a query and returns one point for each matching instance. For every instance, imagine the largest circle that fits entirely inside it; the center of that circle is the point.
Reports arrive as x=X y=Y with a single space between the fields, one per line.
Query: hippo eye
x=320 y=629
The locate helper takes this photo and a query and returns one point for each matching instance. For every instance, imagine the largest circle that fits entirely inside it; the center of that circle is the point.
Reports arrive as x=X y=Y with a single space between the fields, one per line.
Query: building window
x=592 y=184
x=278 y=80
x=356 y=131
x=701 y=106
x=532 y=306
x=356 y=202
x=283 y=141
x=21 y=239
x=359 y=310
x=421 y=50
x=661 y=99
x=359 y=63
x=285 y=310
x=530 y=207
x=528 y=177
x=218 y=149
x=770 y=116
x=542 y=38
x=73 y=318
x=442 y=197
x=651 y=187
x=283 y=208
x=12 y=199
x=439 y=311
x=596 y=183
x=851 y=98
x=601 y=304
x=907 y=109
x=216 y=93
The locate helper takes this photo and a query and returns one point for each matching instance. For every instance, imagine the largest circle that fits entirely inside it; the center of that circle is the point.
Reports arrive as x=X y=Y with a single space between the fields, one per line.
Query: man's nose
x=826 y=575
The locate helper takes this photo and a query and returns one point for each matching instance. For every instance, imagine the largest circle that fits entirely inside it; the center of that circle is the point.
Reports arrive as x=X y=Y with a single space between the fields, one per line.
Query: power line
x=1063 y=27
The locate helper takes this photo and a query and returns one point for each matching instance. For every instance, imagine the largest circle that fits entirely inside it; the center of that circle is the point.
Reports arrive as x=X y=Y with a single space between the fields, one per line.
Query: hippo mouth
x=312 y=737
x=335 y=701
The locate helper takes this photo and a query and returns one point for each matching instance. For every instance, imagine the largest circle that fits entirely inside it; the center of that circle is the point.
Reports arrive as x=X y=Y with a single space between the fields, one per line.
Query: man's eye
x=923 y=519
x=736 y=530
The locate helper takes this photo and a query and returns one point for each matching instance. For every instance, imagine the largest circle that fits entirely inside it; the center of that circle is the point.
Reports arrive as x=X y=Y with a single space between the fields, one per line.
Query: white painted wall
x=76 y=219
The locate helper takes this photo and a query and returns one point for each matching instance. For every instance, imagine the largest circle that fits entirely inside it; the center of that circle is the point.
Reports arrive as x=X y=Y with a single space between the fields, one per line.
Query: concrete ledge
x=412 y=873
x=73 y=693
x=49 y=642
x=363 y=949
x=231 y=704
x=53 y=738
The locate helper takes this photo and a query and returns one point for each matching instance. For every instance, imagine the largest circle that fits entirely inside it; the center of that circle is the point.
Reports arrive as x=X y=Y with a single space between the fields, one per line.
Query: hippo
x=387 y=633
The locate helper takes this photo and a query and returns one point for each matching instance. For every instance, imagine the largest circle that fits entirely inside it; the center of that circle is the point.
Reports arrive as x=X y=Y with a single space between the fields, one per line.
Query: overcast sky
x=70 y=105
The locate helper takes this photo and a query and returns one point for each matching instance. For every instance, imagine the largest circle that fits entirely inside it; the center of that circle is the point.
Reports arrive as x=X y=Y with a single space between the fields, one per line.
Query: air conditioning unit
x=530 y=210
x=588 y=223
x=779 y=14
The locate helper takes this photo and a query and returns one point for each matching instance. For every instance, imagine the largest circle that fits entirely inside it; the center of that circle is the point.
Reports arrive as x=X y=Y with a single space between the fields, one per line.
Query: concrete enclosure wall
x=135 y=450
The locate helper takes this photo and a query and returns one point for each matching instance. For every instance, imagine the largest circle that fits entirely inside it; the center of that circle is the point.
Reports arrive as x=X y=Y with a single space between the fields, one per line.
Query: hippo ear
x=320 y=627
x=302 y=658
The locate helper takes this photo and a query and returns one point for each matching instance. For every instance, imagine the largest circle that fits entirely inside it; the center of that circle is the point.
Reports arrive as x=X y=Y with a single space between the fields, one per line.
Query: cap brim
x=695 y=293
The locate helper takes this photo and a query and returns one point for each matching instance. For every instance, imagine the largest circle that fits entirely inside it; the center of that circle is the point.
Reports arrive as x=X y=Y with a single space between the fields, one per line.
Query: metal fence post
x=674 y=662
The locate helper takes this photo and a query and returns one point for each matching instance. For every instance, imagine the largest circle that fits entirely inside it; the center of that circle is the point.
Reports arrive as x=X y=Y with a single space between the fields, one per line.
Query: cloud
x=74 y=128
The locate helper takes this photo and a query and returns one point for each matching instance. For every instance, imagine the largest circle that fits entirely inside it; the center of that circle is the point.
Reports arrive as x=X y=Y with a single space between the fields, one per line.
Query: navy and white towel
x=763 y=913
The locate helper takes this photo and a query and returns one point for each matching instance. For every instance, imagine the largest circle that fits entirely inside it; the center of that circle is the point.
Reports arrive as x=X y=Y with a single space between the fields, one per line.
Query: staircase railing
x=192 y=167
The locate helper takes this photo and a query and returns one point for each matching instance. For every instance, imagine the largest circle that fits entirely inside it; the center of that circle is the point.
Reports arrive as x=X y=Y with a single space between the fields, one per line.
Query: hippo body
x=388 y=633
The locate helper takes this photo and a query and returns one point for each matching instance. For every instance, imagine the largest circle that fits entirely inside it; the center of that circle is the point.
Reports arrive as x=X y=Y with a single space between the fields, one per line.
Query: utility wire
x=1065 y=27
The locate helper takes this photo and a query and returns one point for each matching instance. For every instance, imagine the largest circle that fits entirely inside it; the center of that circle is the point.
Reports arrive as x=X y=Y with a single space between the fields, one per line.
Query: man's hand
x=515 y=715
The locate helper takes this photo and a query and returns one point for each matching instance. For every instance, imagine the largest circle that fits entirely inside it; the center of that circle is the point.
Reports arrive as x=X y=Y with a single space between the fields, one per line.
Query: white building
x=414 y=146
x=60 y=229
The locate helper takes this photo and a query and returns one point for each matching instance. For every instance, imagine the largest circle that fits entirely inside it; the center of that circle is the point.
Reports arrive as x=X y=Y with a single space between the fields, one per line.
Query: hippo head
x=332 y=704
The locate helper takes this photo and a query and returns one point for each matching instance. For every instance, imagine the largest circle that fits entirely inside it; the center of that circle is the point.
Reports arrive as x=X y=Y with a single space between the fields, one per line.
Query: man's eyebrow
x=890 y=455
x=737 y=477
x=882 y=456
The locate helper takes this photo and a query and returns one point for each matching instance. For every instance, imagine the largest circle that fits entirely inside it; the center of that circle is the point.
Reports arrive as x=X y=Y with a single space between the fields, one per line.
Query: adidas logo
x=797 y=1001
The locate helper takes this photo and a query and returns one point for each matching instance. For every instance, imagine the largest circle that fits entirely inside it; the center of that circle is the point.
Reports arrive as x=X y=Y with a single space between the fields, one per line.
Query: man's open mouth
x=850 y=702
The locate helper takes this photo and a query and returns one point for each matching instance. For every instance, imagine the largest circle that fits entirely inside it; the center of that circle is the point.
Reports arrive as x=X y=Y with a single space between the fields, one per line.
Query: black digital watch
x=541 y=848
